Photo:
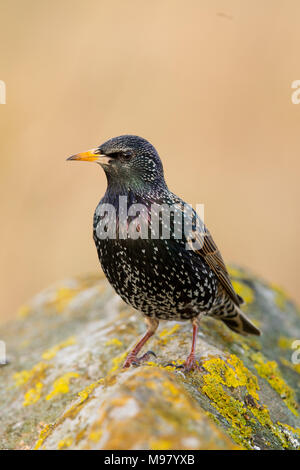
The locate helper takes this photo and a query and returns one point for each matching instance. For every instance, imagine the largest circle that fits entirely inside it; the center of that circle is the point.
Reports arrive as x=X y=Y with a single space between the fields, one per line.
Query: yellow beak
x=92 y=155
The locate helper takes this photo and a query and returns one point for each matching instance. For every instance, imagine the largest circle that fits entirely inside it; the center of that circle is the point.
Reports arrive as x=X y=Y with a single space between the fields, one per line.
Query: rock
x=63 y=386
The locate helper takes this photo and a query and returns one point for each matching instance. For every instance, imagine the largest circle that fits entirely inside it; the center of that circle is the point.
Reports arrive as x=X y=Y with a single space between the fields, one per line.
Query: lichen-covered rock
x=63 y=386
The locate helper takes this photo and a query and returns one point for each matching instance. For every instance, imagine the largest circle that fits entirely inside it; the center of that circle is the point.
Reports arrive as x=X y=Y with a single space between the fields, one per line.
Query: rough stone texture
x=64 y=387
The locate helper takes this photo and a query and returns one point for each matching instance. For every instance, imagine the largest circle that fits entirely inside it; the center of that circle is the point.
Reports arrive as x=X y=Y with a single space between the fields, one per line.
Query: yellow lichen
x=284 y=342
x=80 y=435
x=83 y=396
x=23 y=311
x=70 y=413
x=242 y=377
x=117 y=361
x=161 y=444
x=221 y=377
x=50 y=353
x=33 y=375
x=237 y=413
x=237 y=273
x=244 y=291
x=168 y=332
x=62 y=298
x=262 y=414
x=171 y=388
x=43 y=435
x=95 y=435
x=119 y=402
x=269 y=371
x=61 y=385
x=33 y=395
x=263 y=417
x=65 y=443
x=114 y=342
x=236 y=376
x=295 y=431
x=85 y=393
x=243 y=415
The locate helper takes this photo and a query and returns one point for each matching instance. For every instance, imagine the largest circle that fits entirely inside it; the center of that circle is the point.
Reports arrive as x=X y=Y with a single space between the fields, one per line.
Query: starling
x=166 y=265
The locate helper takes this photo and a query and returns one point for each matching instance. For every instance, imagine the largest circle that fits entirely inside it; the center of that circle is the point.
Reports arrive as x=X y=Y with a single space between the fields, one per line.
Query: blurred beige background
x=207 y=82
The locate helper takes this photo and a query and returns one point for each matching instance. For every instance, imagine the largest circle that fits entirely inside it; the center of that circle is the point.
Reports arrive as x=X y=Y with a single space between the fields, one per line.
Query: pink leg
x=132 y=356
x=190 y=363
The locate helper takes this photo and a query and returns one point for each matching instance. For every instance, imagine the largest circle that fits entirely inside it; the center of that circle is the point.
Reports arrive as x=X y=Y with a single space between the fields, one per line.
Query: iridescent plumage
x=165 y=278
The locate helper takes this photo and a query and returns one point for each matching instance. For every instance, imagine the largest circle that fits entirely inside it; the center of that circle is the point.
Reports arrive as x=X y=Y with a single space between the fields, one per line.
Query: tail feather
x=240 y=323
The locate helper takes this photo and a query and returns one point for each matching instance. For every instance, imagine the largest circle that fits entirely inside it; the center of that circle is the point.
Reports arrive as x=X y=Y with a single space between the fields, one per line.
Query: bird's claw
x=136 y=361
x=189 y=365
x=176 y=366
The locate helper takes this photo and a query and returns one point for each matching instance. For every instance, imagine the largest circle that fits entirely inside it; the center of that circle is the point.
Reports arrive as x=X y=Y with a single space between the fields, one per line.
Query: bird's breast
x=151 y=274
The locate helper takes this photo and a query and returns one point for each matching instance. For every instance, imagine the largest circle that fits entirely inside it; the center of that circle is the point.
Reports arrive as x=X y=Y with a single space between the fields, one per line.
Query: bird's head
x=129 y=161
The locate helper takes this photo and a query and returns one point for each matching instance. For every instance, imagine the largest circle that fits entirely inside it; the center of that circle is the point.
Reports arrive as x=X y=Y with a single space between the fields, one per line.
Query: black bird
x=175 y=275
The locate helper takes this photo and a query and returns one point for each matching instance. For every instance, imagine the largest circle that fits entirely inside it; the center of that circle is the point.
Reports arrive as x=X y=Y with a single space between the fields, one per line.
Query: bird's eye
x=120 y=155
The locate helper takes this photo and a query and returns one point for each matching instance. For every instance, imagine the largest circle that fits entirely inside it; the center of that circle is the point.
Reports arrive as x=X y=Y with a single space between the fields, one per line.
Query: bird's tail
x=239 y=323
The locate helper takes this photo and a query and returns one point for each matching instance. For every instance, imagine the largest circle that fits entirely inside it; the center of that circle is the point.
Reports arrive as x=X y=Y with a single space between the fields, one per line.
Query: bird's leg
x=190 y=363
x=132 y=358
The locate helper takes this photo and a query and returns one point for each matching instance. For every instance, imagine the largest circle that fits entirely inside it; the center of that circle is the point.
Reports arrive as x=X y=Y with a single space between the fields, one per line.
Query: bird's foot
x=133 y=360
x=190 y=364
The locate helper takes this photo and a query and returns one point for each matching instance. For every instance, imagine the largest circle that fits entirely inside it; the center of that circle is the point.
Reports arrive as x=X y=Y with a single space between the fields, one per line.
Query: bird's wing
x=209 y=251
